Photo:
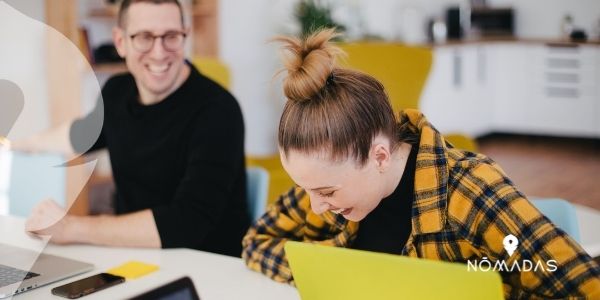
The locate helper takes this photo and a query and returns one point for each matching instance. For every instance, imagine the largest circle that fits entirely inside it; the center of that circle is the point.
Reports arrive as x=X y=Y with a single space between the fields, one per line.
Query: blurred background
x=516 y=80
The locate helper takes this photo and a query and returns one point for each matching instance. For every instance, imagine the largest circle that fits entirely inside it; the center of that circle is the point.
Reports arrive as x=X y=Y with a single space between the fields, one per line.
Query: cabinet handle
x=562 y=63
x=561 y=92
x=481 y=65
x=457 y=69
x=559 y=77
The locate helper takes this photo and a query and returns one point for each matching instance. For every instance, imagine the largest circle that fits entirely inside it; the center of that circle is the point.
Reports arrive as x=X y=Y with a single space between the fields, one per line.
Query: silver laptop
x=17 y=274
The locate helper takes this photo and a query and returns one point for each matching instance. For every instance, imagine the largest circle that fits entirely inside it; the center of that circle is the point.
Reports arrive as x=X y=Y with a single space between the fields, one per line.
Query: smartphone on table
x=87 y=285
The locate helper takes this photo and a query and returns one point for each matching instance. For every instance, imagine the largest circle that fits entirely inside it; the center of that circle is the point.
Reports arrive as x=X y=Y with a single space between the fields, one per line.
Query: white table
x=215 y=276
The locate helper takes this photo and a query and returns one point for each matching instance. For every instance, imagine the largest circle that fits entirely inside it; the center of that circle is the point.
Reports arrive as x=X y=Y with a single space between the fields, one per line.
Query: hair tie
x=330 y=79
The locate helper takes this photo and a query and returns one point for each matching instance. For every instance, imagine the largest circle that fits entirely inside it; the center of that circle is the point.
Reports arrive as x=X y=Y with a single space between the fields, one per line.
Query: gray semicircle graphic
x=11 y=105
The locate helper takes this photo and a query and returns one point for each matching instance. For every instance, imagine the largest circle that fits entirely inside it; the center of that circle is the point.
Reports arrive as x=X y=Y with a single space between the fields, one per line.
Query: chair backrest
x=461 y=141
x=214 y=69
x=561 y=213
x=401 y=69
x=257 y=188
x=33 y=178
x=279 y=180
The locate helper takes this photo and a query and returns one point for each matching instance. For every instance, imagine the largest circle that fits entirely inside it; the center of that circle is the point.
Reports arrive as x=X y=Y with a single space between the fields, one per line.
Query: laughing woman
x=368 y=180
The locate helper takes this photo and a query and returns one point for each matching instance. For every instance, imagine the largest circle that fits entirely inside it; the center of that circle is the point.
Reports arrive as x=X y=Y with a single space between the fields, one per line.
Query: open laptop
x=17 y=275
x=323 y=272
x=180 y=289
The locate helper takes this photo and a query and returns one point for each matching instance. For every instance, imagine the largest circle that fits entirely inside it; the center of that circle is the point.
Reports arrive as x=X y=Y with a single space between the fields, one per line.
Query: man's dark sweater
x=182 y=157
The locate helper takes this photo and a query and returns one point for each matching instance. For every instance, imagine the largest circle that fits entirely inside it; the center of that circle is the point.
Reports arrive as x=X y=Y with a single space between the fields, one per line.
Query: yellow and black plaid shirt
x=464 y=207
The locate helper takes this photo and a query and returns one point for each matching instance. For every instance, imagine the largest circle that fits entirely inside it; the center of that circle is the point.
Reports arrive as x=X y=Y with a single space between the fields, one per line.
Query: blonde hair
x=328 y=107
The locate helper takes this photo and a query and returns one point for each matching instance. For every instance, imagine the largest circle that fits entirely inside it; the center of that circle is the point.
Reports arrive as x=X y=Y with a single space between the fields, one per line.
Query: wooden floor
x=548 y=166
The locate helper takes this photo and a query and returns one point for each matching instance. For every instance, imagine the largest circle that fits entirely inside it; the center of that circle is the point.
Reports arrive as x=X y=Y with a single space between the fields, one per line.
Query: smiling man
x=175 y=140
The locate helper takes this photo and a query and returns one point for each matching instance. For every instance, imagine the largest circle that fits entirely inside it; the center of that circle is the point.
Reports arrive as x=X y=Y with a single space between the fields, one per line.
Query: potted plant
x=313 y=14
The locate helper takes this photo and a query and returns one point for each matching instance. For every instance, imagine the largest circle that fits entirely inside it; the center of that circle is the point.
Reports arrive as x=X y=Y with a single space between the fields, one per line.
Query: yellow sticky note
x=133 y=269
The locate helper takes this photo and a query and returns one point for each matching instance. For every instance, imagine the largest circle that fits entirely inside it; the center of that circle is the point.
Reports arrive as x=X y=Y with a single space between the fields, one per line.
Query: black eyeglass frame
x=162 y=39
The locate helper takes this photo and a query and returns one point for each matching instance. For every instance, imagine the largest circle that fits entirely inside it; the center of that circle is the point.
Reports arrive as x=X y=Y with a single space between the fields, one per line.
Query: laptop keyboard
x=10 y=275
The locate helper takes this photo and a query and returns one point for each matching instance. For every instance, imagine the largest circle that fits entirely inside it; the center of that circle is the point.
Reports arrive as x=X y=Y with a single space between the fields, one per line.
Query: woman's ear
x=380 y=153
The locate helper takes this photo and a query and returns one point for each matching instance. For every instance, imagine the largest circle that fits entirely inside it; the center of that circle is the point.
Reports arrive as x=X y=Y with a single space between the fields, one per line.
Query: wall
x=245 y=29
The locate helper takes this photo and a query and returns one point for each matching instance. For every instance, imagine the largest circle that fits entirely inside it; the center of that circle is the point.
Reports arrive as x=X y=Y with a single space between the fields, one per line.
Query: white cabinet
x=516 y=87
x=476 y=101
x=440 y=94
x=453 y=98
x=510 y=76
x=564 y=90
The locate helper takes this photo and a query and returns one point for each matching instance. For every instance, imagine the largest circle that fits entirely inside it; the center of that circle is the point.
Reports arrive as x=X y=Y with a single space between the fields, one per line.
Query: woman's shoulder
x=475 y=181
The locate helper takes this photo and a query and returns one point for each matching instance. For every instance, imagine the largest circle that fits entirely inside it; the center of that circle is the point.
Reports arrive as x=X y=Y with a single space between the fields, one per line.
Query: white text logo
x=510 y=244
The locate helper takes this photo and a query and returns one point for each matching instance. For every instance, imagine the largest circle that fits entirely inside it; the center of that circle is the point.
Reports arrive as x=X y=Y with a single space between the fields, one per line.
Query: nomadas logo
x=511 y=243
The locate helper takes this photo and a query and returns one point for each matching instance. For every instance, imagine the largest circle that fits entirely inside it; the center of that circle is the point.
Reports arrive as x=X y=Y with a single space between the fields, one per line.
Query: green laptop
x=322 y=272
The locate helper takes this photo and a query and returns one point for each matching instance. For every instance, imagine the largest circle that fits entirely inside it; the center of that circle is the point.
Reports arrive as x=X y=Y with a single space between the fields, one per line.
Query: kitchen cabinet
x=510 y=73
x=453 y=99
x=515 y=87
x=563 y=90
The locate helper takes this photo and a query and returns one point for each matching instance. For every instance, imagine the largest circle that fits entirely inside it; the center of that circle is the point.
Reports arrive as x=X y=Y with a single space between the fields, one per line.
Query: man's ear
x=118 y=35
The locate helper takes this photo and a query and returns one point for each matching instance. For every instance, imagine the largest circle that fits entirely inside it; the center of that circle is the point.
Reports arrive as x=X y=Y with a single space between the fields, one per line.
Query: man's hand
x=24 y=145
x=48 y=218
x=54 y=140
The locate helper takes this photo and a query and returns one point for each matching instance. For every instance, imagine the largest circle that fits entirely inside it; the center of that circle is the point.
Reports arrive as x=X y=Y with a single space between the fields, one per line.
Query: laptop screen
x=324 y=272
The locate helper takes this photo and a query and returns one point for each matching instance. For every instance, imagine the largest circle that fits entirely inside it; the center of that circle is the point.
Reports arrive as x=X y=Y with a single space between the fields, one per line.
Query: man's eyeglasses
x=144 y=41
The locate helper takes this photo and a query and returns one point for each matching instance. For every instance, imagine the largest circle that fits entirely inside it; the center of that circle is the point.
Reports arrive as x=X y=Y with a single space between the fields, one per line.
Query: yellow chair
x=403 y=71
x=461 y=141
x=214 y=69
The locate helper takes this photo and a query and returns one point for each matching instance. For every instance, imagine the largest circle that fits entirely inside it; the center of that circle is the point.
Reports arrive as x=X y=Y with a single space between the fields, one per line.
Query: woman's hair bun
x=309 y=62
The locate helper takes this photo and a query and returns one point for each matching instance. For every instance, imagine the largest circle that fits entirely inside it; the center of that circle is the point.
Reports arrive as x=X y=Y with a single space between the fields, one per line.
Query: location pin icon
x=11 y=105
x=510 y=243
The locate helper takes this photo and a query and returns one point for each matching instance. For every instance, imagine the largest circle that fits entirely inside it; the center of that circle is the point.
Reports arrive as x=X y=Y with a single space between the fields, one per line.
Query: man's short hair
x=126 y=3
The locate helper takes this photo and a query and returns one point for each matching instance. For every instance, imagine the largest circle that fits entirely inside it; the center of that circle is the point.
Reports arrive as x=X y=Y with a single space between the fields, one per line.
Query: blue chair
x=257 y=188
x=561 y=213
x=33 y=178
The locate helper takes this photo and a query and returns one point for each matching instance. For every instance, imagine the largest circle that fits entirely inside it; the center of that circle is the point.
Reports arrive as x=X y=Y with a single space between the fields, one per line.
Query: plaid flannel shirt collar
x=431 y=176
